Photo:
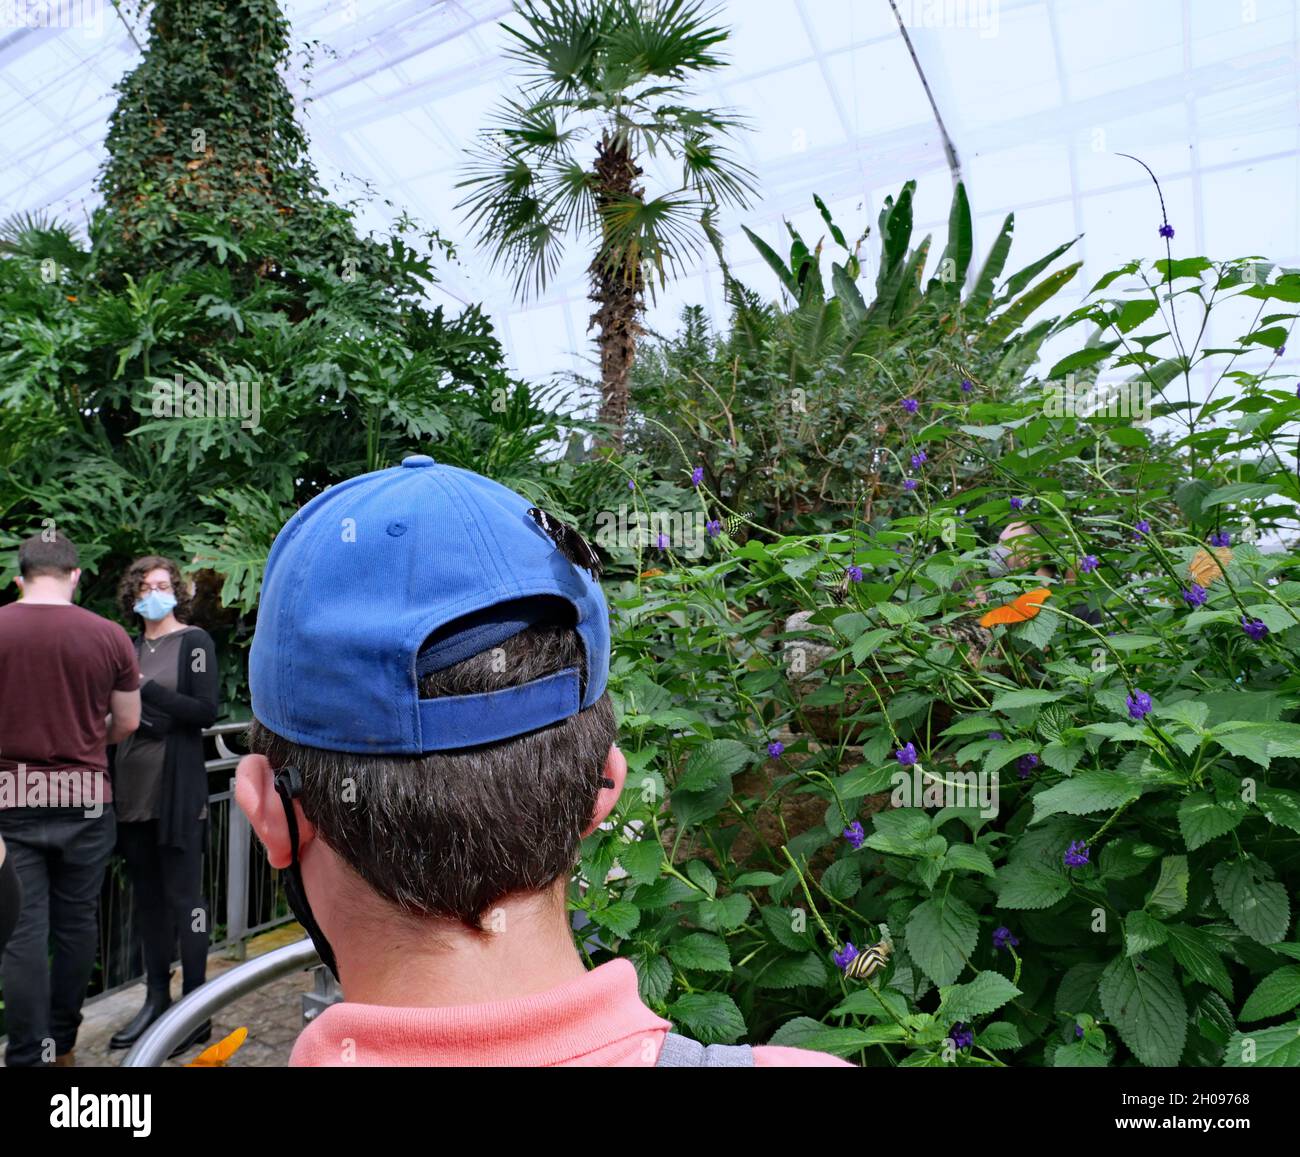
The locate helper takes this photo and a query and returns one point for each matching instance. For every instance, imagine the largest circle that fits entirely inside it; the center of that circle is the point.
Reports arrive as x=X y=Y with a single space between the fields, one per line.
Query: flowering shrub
x=1072 y=833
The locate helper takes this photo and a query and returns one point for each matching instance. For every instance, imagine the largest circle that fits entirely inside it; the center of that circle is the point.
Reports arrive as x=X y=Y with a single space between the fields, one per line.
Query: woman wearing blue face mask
x=160 y=787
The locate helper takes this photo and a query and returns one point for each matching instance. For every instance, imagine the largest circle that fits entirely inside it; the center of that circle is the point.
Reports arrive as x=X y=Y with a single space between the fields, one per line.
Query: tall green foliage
x=792 y=412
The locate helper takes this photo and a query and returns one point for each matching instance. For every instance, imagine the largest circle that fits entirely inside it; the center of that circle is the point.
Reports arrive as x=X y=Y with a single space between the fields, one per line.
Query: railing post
x=238 y=843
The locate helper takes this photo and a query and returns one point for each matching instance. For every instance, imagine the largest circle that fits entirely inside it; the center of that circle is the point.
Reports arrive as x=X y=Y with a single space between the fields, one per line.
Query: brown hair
x=128 y=589
x=450 y=834
x=49 y=554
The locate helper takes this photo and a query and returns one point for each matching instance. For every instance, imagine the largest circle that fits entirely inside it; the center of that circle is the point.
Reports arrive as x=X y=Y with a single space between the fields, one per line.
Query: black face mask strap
x=288 y=786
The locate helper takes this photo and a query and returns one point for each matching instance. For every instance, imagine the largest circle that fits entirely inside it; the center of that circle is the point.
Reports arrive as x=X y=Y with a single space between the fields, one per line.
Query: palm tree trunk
x=618 y=288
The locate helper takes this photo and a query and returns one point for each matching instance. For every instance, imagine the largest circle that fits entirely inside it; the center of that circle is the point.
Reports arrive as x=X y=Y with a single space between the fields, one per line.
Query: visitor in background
x=161 y=788
x=432 y=740
x=11 y=896
x=69 y=686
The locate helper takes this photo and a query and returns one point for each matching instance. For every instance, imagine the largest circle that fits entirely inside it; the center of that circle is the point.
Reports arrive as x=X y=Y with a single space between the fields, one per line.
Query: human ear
x=257 y=798
x=616 y=771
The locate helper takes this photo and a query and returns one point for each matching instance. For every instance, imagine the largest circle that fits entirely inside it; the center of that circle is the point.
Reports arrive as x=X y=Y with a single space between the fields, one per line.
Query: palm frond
x=658 y=236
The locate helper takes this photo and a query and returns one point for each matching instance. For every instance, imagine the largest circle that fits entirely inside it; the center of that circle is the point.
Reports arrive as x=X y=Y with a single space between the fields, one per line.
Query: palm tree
x=605 y=85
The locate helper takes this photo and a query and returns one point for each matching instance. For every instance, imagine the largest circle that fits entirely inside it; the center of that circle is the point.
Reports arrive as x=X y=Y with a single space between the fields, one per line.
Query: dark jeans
x=167 y=886
x=60 y=855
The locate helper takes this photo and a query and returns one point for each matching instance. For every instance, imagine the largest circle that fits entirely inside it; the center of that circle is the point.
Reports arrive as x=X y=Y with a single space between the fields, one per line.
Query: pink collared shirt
x=599 y=1020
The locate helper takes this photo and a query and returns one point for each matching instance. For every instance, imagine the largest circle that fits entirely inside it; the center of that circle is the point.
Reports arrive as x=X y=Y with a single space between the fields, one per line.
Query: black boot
x=200 y=1035
x=157 y=1001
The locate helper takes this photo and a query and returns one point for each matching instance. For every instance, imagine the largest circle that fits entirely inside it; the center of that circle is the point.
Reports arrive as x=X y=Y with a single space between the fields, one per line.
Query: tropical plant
x=1077 y=840
x=604 y=88
x=792 y=414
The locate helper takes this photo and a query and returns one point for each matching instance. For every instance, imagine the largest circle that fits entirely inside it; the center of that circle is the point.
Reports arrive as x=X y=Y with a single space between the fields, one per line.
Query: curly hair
x=128 y=589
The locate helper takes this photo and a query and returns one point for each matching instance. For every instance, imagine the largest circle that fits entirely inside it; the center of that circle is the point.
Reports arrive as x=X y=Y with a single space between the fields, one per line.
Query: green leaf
x=1030 y=886
x=1142 y=932
x=724 y=913
x=654 y=976
x=1169 y=896
x=842 y=879
x=621 y=918
x=1254 y=901
x=1092 y=791
x=641 y=859
x=793 y=972
x=987 y=993
x=1063 y=757
x=900 y=831
x=711 y=1017
x=967 y=858
x=978 y=302
x=755 y=880
x=1199 y=957
x=1011 y=700
x=1201 y=819
x=699 y=873
x=1239 y=492
x=1277 y=993
x=780 y=922
x=713 y=762
x=998 y=1036
x=1144 y=1002
x=1277 y=1047
x=941 y=934
x=1079 y=1055
x=869 y=643
x=700 y=951
x=1280 y=807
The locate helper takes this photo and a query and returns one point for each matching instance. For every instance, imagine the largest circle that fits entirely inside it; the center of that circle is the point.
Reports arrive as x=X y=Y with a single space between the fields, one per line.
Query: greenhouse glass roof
x=1037 y=96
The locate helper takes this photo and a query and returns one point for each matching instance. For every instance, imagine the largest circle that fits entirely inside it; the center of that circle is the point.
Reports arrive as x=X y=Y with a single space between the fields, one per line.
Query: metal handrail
x=154 y=1047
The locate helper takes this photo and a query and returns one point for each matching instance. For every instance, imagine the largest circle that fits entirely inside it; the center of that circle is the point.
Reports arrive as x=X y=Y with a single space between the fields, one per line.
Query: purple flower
x=713 y=527
x=911 y=405
x=1167 y=231
x=909 y=484
x=1254 y=628
x=697 y=475
x=1076 y=855
x=775 y=748
x=1089 y=563
x=967 y=385
x=995 y=735
x=855 y=574
x=1221 y=538
x=1139 y=706
x=1002 y=937
x=906 y=755
x=919 y=459
x=1078 y=1032
x=1025 y=764
x=961 y=1036
x=1281 y=350
x=845 y=958
x=1017 y=503
x=662 y=542
x=1195 y=595
x=855 y=835
x=1143 y=526
x=631 y=484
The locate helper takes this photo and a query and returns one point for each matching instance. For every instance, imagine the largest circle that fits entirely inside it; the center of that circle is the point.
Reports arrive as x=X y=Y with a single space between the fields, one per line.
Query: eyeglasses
x=164 y=588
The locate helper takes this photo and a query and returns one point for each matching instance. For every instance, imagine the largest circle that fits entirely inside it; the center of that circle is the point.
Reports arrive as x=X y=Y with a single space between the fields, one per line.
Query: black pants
x=167 y=886
x=60 y=854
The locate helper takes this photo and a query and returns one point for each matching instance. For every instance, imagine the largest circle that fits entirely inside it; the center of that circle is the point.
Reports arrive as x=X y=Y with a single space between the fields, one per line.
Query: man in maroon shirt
x=69 y=686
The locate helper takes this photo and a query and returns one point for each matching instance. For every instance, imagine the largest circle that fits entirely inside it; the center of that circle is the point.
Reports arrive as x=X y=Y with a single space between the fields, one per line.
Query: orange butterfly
x=216 y=1056
x=1020 y=610
x=1206 y=567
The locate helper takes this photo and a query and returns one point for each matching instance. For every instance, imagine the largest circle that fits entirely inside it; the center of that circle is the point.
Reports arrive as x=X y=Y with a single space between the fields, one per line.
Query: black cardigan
x=179 y=718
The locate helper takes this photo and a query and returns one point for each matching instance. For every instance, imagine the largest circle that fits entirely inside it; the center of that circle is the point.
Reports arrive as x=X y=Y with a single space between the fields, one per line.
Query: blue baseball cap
x=390 y=575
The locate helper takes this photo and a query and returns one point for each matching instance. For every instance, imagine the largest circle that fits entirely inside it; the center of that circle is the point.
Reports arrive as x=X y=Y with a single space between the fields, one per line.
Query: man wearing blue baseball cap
x=432 y=738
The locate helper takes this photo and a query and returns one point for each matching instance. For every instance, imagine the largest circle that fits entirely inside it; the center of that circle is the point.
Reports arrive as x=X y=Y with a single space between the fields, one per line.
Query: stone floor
x=272 y=1014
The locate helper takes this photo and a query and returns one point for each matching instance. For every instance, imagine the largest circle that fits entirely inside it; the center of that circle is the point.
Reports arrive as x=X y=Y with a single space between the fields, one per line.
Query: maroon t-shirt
x=59 y=665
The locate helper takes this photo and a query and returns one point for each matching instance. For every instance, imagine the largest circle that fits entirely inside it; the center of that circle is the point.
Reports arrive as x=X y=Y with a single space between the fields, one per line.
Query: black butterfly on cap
x=568 y=542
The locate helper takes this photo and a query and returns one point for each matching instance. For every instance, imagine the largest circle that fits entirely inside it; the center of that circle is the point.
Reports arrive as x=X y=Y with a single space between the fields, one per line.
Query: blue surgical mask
x=155 y=605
